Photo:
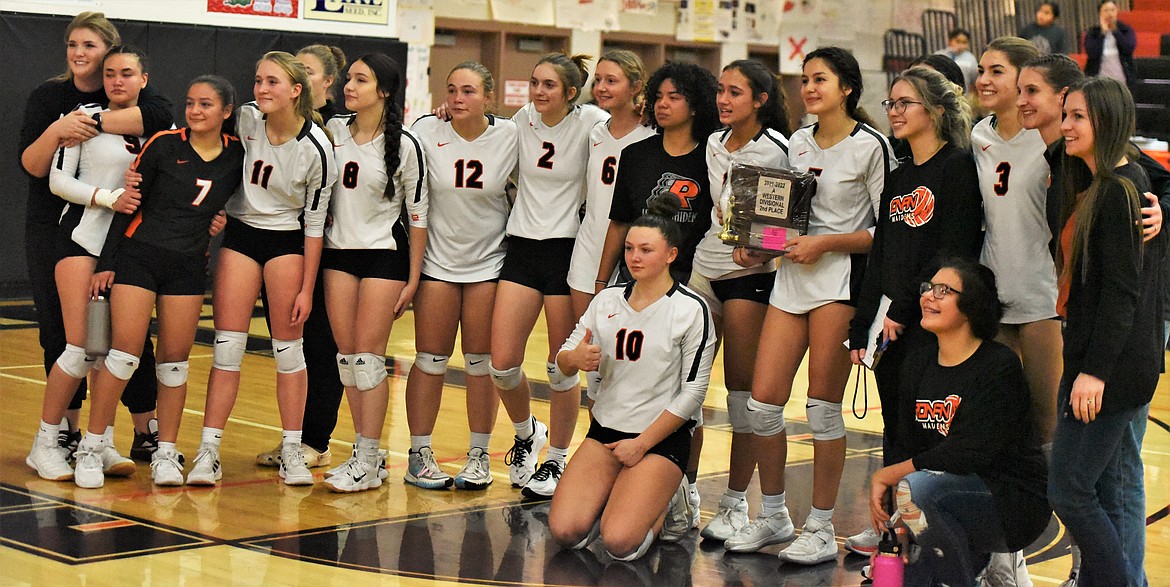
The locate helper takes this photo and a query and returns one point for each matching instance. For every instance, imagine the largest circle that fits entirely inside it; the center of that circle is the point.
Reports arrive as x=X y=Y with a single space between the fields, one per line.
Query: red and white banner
x=278 y=8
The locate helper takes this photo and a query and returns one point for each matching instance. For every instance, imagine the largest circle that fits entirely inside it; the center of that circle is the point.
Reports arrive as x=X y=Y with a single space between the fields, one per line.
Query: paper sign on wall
x=515 y=92
x=281 y=8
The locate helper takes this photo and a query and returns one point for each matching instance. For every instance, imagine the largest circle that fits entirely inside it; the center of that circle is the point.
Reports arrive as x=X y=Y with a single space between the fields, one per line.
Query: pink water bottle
x=888 y=568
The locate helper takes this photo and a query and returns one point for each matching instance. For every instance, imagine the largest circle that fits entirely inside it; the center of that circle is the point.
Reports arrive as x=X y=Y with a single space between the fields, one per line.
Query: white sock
x=47 y=433
x=481 y=440
x=367 y=450
x=108 y=436
x=166 y=446
x=290 y=436
x=525 y=429
x=558 y=454
x=733 y=494
x=771 y=504
x=822 y=516
x=91 y=442
x=212 y=436
x=418 y=442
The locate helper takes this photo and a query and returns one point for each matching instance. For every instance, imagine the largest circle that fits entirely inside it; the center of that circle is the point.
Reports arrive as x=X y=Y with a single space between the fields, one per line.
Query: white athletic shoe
x=114 y=464
x=521 y=458
x=48 y=460
x=205 y=470
x=88 y=472
x=816 y=544
x=165 y=468
x=422 y=471
x=695 y=502
x=761 y=532
x=864 y=543
x=678 y=515
x=543 y=484
x=358 y=476
x=477 y=473
x=292 y=465
x=731 y=518
x=313 y=458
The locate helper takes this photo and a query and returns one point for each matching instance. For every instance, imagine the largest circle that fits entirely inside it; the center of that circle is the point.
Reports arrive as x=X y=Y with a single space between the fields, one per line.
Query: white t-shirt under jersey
x=282 y=182
x=652 y=360
x=769 y=148
x=99 y=162
x=552 y=172
x=604 y=154
x=850 y=177
x=1013 y=178
x=469 y=206
x=363 y=217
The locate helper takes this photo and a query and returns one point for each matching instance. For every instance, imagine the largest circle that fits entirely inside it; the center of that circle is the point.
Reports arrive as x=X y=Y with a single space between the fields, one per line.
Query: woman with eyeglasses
x=1113 y=330
x=930 y=210
x=971 y=479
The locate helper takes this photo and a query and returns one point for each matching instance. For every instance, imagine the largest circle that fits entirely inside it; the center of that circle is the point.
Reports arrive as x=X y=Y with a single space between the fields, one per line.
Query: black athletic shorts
x=369 y=263
x=542 y=265
x=67 y=247
x=425 y=277
x=163 y=271
x=756 y=287
x=262 y=245
x=676 y=448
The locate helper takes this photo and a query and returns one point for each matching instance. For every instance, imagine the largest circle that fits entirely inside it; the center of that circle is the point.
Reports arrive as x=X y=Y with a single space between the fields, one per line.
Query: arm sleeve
x=156 y=111
x=698 y=350
x=38 y=115
x=1115 y=255
x=321 y=174
x=985 y=423
x=63 y=176
x=414 y=181
x=1126 y=39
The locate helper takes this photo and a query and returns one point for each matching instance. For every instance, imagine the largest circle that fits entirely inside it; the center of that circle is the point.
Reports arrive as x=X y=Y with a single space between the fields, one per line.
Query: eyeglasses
x=898 y=105
x=939 y=290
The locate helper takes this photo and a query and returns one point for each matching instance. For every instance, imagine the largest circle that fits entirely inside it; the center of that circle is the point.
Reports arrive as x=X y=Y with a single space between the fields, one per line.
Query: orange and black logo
x=685 y=188
x=915 y=208
x=937 y=414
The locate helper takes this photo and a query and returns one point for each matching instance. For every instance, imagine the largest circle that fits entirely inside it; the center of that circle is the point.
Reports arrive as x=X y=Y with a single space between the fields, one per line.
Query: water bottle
x=97 y=327
x=888 y=568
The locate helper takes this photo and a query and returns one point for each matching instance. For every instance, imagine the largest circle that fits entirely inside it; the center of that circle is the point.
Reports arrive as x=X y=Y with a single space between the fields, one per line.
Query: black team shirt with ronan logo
x=928 y=212
x=646 y=170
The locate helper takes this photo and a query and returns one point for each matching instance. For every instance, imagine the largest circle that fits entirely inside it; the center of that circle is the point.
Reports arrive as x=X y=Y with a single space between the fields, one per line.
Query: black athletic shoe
x=68 y=442
x=145 y=443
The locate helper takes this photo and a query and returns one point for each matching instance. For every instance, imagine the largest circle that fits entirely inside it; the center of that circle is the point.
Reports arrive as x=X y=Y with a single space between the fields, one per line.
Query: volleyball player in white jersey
x=553 y=151
x=812 y=303
x=751 y=106
x=88 y=177
x=370 y=265
x=289 y=171
x=618 y=83
x=653 y=343
x=469 y=160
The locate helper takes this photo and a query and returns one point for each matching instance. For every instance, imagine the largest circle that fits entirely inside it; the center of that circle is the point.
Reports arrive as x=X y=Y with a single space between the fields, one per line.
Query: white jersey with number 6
x=469 y=206
x=552 y=172
x=604 y=154
x=1013 y=178
x=282 y=182
x=363 y=216
x=655 y=359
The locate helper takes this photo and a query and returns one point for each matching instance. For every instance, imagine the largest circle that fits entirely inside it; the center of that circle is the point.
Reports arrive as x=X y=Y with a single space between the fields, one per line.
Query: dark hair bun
x=665 y=205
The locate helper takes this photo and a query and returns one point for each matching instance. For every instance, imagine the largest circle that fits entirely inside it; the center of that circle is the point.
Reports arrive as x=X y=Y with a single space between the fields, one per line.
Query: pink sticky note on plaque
x=774 y=237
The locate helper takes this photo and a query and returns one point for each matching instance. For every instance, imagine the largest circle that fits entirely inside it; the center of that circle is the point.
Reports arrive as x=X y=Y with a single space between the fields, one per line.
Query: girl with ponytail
x=373 y=253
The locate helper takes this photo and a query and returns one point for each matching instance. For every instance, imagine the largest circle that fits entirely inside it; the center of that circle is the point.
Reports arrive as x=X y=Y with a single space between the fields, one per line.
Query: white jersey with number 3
x=1013 y=178
x=363 y=217
x=652 y=360
x=469 y=206
x=552 y=172
x=282 y=182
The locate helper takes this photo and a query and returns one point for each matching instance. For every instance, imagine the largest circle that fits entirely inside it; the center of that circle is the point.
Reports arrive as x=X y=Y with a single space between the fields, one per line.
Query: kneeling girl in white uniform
x=652 y=342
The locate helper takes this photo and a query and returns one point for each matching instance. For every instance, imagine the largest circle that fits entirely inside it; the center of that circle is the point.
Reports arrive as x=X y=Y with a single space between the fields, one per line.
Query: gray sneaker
x=762 y=531
x=477 y=473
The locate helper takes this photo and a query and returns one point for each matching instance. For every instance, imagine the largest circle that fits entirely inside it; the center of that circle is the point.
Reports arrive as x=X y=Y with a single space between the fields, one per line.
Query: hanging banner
x=366 y=11
x=588 y=15
x=281 y=8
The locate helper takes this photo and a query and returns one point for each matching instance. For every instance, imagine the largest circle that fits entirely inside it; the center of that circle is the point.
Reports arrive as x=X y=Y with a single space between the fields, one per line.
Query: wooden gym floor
x=254 y=530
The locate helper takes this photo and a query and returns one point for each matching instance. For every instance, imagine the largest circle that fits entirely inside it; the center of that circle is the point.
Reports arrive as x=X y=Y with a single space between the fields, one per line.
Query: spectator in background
x=1048 y=36
x=959 y=50
x=1110 y=45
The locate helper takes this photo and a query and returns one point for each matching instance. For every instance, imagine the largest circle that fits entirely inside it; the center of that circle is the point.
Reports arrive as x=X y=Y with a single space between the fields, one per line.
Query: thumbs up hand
x=588 y=354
